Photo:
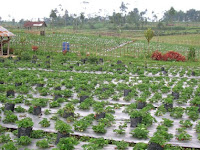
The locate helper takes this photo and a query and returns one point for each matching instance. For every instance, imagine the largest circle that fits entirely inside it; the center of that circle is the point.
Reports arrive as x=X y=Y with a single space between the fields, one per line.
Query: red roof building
x=29 y=25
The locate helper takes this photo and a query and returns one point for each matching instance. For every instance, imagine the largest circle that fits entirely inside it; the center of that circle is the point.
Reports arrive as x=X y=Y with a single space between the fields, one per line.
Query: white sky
x=34 y=9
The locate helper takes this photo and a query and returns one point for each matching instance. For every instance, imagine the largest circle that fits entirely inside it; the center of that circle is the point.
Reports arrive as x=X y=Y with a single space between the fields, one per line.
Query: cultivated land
x=98 y=89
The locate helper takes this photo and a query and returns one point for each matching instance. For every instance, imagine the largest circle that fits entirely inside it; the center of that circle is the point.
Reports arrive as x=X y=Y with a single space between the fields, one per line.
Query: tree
x=53 y=15
x=134 y=17
x=123 y=7
x=82 y=17
x=13 y=21
x=172 y=12
x=116 y=18
x=149 y=34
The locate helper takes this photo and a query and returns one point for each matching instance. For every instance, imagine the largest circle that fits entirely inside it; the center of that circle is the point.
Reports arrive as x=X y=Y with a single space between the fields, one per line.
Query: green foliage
x=186 y=123
x=140 y=146
x=25 y=123
x=2 y=129
x=159 y=139
x=54 y=104
x=30 y=110
x=67 y=93
x=42 y=143
x=177 y=112
x=69 y=107
x=193 y=112
x=167 y=122
x=39 y=102
x=101 y=142
x=197 y=127
x=67 y=143
x=160 y=111
x=86 y=104
x=183 y=136
x=45 y=122
x=149 y=34
x=9 y=146
x=90 y=146
x=37 y=134
x=47 y=111
x=135 y=113
x=119 y=131
x=10 y=117
x=5 y=138
x=63 y=127
x=121 y=145
x=82 y=124
x=140 y=132
x=191 y=54
x=20 y=109
x=100 y=128
x=162 y=130
x=24 y=140
x=25 y=56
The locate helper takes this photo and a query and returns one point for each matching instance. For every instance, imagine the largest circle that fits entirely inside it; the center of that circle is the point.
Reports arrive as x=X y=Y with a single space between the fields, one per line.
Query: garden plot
x=105 y=93
x=33 y=144
x=78 y=43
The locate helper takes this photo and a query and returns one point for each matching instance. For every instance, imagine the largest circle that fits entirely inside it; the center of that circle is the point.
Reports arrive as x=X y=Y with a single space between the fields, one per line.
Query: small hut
x=36 y=26
x=4 y=33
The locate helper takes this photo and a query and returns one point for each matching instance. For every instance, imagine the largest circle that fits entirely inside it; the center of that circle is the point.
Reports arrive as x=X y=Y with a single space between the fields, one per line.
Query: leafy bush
x=156 y=55
x=140 y=146
x=100 y=128
x=5 y=138
x=25 y=123
x=10 y=117
x=122 y=145
x=24 y=140
x=37 y=134
x=9 y=146
x=42 y=143
x=140 y=132
x=63 y=127
x=67 y=143
x=20 y=109
x=25 y=56
x=101 y=142
x=191 y=54
x=173 y=56
x=45 y=123
x=169 y=56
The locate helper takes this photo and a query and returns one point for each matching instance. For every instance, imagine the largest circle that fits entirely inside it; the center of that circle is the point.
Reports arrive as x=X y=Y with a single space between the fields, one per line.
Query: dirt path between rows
x=119 y=46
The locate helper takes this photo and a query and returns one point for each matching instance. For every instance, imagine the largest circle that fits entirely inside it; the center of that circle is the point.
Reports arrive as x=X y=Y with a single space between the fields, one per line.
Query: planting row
x=95 y=65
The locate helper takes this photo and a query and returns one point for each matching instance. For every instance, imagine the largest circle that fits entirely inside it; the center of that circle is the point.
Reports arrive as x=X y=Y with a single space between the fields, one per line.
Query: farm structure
x=4 y=33
x=36 y=26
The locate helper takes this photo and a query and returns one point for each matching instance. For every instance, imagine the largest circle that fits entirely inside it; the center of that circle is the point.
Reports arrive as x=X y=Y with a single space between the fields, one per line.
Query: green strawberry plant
x=24 y=140
x=44 y=122
x=140 y=132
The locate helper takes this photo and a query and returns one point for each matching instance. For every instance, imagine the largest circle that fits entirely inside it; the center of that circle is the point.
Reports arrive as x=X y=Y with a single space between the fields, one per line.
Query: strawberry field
x=60 y=101
x=100 y=45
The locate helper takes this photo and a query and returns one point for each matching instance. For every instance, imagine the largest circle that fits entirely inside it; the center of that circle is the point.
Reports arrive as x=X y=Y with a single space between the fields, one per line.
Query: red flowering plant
x=34 y=48
x=64 y=52
x=169 y=56
x=173 y=56
x=156 y=55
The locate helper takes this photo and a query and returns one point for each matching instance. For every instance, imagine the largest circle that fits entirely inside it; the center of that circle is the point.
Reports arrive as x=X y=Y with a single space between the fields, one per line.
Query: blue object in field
x=65 y=46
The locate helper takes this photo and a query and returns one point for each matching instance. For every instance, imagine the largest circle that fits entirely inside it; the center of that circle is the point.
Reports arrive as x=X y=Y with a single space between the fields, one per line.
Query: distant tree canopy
x=134 y=19
x=191 y=15
x=125 y=20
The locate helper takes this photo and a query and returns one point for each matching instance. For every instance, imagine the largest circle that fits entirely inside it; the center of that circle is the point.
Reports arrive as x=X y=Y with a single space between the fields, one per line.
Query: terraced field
x=96 y=103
